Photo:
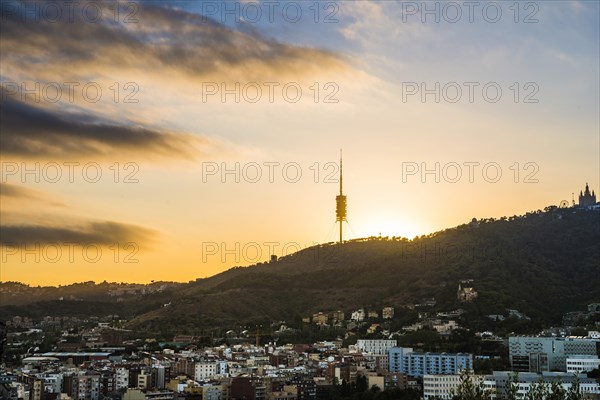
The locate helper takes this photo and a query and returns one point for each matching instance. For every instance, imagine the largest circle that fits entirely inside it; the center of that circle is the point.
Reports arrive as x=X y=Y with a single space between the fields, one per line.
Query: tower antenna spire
x=341 y=172
x=340 y=202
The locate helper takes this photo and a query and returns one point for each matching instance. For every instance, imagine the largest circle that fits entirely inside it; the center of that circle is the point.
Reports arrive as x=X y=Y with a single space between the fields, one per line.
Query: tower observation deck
x=340 y=203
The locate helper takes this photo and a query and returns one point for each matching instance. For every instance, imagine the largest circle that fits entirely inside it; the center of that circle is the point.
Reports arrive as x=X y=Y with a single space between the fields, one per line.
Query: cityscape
x=299 y=200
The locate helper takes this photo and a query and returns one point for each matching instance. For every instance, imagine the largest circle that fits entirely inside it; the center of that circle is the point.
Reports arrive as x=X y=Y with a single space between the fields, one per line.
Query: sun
x=386 y=225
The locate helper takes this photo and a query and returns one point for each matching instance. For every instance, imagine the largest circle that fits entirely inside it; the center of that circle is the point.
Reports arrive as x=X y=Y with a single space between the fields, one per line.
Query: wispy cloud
x=168 y=52
x=33 y=132
x=164 y=41
x=42 y=228
x=97 y=233
x=18 y=195
x=15 y=191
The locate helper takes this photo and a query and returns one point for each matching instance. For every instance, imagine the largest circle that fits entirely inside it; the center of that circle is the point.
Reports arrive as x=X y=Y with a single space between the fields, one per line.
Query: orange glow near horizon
x=158 y=182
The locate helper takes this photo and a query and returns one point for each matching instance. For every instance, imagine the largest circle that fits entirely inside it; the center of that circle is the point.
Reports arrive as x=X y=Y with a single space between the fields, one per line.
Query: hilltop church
x=586 y=198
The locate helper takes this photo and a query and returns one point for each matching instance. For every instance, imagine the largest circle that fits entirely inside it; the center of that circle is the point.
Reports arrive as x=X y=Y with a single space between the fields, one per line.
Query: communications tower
x=340 y=203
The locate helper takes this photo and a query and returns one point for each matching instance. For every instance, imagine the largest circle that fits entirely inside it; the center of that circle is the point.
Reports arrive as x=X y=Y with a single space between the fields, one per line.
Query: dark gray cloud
x=96 y=233
x=10 y=190
x=18 y=195
x=162 y=38
x=166 y=46
x=29 y=131
x=102 y=233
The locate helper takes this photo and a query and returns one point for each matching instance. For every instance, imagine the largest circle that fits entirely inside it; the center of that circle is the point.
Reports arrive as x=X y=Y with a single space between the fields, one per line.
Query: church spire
x=587 y=198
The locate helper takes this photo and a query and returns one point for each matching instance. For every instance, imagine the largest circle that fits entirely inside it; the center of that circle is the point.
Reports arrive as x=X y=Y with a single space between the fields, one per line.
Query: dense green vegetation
x=543 y=264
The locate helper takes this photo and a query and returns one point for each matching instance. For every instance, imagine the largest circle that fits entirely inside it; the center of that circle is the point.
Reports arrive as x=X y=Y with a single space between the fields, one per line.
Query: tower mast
x=341 y=172
x=340 y=200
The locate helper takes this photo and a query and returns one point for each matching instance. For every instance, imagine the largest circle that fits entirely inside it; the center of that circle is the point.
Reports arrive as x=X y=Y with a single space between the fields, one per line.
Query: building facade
x=586 y=198
x=407 y=361
x=576 y=365
x=375 y=346
x=205 y=370
x=444 y=386
x=539 y=354
x=387 y=313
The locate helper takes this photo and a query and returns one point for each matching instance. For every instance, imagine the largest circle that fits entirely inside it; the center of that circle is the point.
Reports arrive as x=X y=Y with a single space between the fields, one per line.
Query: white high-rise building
x=376 y=346
x=205 y=370
x=524 y=350
x=526 y=380
x=445 y=386
x=576 y=365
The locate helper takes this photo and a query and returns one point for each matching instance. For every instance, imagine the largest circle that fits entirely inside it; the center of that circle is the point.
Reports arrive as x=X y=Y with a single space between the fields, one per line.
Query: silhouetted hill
x=16 y=293
x=543 y=264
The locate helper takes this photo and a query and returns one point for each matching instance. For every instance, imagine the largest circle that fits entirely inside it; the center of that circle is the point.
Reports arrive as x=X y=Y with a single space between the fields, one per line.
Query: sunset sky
x=134 y=92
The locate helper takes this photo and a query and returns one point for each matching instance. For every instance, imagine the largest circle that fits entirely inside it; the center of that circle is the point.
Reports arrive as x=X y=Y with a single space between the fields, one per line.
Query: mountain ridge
x=543 y=263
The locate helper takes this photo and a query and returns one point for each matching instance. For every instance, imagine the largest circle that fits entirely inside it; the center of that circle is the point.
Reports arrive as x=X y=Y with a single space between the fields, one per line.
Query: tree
x=574 y=392
x=375 y=389
x=511 y=393
x=362 y=384
x=538 y=391
x=595 y=373
x=345 y=389
x=469 y=390
x=557 y=391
